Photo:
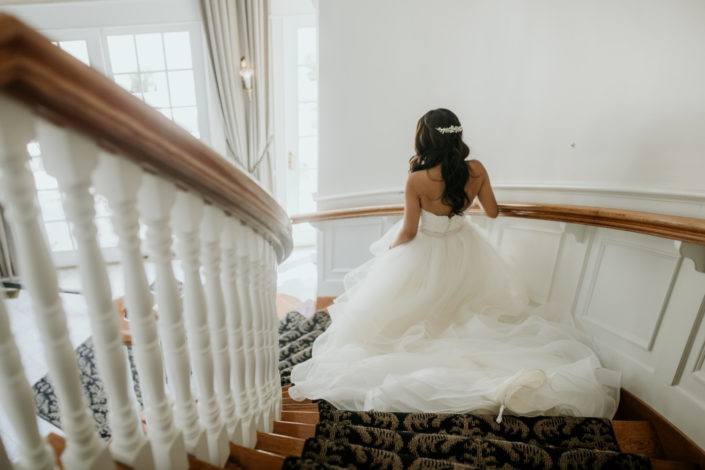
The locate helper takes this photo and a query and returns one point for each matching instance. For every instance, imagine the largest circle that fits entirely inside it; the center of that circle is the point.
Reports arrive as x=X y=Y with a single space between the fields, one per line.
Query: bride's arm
x=412 y=212
x=486 y=194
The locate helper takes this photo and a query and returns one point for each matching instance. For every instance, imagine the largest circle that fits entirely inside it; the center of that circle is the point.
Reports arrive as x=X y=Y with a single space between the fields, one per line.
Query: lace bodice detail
x=439 y=225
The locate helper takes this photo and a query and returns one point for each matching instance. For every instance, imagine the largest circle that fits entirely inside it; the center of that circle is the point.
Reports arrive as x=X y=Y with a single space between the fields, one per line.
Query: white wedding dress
x=440 y=324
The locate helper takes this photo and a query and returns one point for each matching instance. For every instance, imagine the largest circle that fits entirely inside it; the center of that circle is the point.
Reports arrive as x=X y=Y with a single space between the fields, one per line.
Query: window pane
x=306 y=46
x=308 y=119
x=59 y=237
x=150 y=51
x=78 y=49
x=308 y=153
x=187 y=118
x=178 y=50
x=50 y=204
x=307 y=187
x=183 y=91
x=130 y=82
x=122 y=54
x=155 y=88
x=106 y=234
x=308 y=86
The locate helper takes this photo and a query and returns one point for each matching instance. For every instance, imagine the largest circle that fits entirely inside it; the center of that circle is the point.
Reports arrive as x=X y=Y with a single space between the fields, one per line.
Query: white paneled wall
x=640 y=298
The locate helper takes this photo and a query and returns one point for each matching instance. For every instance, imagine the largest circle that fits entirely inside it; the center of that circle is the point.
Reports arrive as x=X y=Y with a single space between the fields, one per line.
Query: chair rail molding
x=674 y=202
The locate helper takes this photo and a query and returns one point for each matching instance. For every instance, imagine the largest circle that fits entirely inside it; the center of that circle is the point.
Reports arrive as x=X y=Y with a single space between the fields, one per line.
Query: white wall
x=622 y=80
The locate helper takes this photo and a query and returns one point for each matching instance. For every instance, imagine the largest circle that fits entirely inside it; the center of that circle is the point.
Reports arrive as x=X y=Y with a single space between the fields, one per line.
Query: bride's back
x=430 y=187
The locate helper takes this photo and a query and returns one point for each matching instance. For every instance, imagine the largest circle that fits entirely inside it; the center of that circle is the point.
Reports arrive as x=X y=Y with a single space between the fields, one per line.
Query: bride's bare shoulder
x=477 y=169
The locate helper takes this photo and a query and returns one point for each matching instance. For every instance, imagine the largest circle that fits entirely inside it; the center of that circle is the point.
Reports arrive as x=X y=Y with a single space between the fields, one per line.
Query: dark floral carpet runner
x=381 y=440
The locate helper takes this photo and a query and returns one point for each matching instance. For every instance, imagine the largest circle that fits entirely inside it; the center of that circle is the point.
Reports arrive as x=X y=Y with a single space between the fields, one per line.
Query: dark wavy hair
x=434 y=148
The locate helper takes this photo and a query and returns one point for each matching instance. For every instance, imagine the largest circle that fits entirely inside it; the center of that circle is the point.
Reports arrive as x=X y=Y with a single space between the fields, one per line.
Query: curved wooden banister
x=685 y=229
x=69 y=93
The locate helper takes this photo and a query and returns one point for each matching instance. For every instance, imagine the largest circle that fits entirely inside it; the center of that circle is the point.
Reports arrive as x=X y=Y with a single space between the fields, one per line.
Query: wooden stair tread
x=307 y=407
x=299 y=430
x=308 y=417
x=659 y=464
x=638 y=437
x=279 y=443
x=251 y=459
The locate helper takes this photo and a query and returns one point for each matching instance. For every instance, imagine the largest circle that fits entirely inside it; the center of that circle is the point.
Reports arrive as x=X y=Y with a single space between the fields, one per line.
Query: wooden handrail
x=686 y=229
x=62 y=89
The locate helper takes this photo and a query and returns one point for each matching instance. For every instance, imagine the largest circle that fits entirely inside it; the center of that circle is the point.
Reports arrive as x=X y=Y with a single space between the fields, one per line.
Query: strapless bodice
x=440 y=225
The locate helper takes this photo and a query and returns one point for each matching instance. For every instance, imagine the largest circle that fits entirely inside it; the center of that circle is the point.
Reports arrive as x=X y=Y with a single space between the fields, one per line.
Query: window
x=162 y=66
x=157 y=68
x=296 y=104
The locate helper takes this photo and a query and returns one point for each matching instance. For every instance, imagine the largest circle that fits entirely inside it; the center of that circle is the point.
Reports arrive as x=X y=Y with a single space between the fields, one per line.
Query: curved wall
x=598 y=94
x=593 y=103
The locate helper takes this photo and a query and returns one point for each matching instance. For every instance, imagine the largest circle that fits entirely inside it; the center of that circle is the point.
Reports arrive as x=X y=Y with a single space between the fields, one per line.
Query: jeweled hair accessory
x=450 y=129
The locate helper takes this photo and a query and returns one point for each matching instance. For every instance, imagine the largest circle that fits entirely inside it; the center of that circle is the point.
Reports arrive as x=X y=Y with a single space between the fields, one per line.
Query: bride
x=437 y=321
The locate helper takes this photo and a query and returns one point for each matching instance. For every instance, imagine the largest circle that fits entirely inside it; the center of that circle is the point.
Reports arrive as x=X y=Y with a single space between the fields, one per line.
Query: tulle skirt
x=441 y=324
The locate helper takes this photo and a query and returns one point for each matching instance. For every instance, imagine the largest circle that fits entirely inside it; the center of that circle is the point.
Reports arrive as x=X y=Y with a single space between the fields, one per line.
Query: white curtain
x=236 y=29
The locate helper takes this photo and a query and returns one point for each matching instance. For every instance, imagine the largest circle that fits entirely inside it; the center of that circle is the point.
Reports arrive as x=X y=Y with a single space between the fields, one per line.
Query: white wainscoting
x=640 y=300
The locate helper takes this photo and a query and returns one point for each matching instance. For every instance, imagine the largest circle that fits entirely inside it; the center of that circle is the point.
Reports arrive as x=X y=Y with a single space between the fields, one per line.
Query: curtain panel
x=236 y=29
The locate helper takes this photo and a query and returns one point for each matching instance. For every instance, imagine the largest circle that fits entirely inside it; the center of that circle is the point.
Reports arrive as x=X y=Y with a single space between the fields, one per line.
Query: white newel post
x=84 y=449
x=18 y=400
x=156 y=200
x=239 y=355
x=119 y=180
x=187 y=214
x=211 y=234
x=71 y=159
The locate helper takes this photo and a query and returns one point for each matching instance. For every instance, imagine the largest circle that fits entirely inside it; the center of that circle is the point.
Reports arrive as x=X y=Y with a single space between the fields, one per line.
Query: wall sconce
x=246 y=74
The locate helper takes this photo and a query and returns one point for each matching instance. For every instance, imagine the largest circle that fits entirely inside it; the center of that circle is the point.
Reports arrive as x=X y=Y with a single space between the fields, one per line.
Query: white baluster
x=243 y=278
x=156 y=200
x=246 y=434
x=119 y=180
x=211 y=230
x=265 y=315
x=256 y=304
x=71 y=159
x=17 y=399
x=84 y=449
x=187 y=215
x=274 y=331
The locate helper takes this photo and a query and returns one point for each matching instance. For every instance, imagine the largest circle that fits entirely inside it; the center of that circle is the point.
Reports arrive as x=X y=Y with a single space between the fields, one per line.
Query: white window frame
x=98 y=54
x=197 y=58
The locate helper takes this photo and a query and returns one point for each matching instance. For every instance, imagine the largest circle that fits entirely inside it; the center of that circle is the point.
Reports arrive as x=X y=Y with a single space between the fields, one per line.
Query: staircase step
x=307 y=417
x=300 y=430
x=253 y=459
x=658 y=464
x=638 y=437
x=305 y=407
x=286 y=400
x=279 y=444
